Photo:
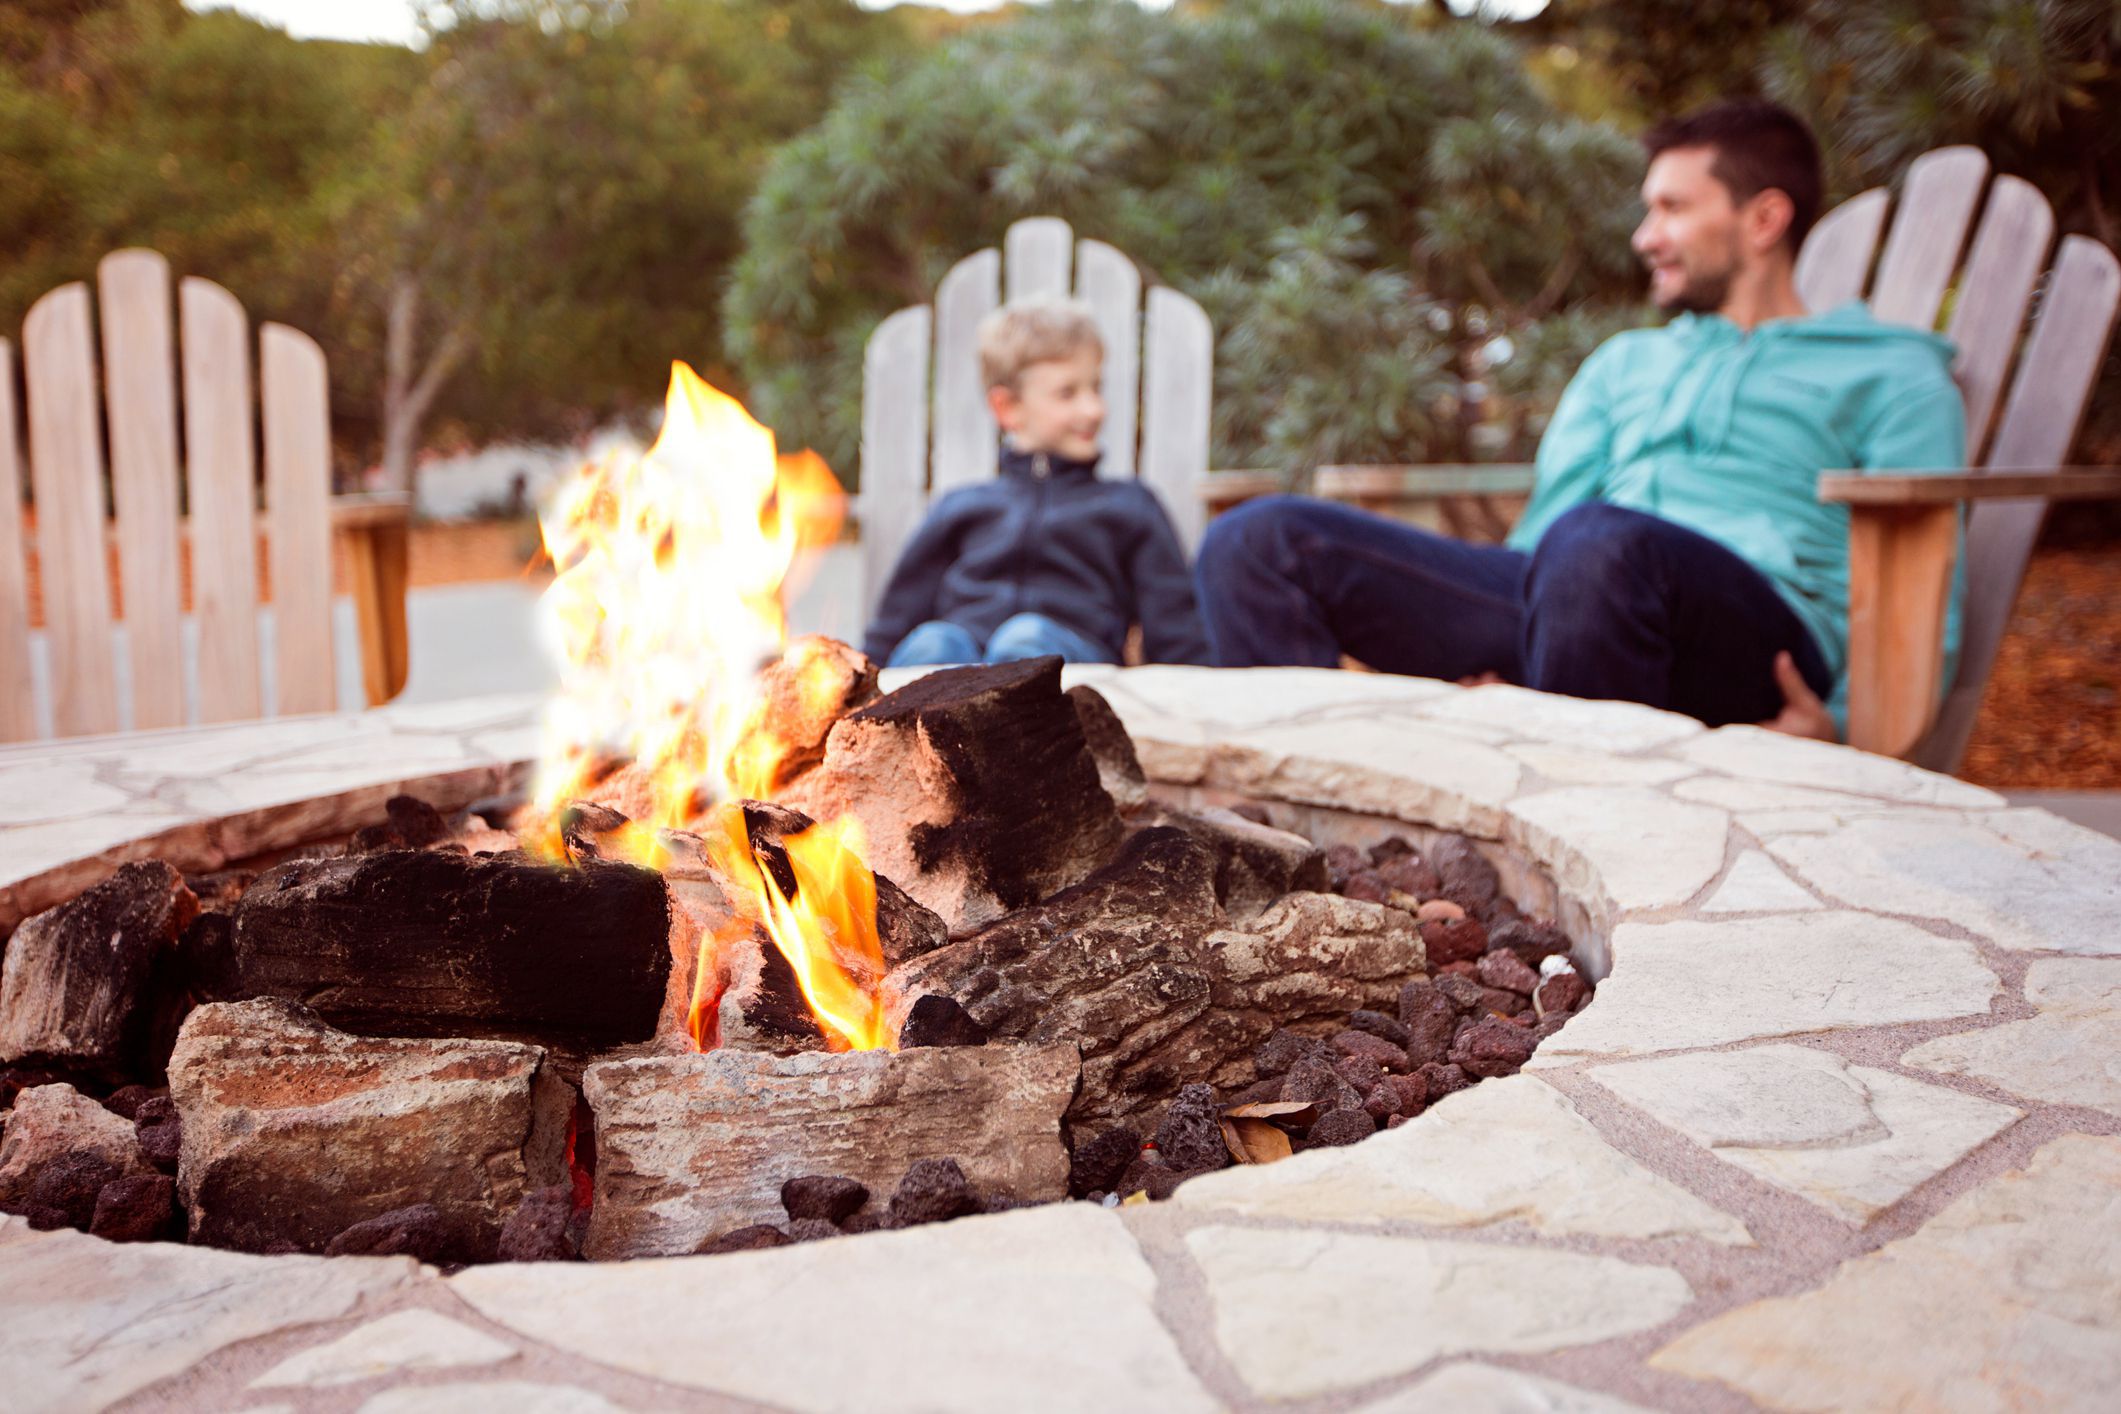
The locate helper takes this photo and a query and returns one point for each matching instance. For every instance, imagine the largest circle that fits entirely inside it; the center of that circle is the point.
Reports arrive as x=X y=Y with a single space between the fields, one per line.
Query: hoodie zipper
x=1041 y=475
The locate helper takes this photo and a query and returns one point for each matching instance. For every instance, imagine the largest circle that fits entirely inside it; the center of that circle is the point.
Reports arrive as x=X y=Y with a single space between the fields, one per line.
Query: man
x=1674 y=551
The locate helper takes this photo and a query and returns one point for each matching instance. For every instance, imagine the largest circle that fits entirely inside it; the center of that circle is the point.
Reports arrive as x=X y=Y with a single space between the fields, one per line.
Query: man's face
x=1057 y=406
x=1690 y=237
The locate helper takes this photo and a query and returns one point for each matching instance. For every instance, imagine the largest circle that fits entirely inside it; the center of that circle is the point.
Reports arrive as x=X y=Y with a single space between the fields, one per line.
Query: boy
x=1045 y=558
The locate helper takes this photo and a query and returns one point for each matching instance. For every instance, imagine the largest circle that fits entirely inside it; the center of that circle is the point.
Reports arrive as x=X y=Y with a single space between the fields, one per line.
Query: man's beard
x=1701 y=292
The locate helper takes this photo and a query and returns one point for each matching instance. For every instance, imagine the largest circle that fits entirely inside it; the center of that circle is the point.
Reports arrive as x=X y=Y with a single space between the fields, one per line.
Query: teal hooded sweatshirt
x=1726 y=433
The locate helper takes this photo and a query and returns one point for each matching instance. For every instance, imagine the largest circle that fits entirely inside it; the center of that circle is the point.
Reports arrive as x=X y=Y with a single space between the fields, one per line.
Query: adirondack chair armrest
x=375 y=529
x=1908 y=490
x=1368 y=485
x=1220 y=490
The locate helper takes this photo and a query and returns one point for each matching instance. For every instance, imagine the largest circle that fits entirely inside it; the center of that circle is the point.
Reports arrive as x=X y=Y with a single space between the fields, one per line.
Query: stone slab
x=1304 y=1313
x=1396 y=767
x=1583 y=766
x=1612 y=727
x=2069 y=1054
x=1634 y=847
x=1854 y=1139
x=1755 y=885
x=2006 y=1300
x=1679 y=985
x=1507 y=1150
x=2044 y=886
x=1770 y=756
x=494 y=1397
x=1470 y=1387
x=400 y=1343
x=84 y=1323
x=1042 y=1309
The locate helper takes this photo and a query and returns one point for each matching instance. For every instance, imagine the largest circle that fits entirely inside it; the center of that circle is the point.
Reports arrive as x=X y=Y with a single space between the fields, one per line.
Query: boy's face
x=1056 y=406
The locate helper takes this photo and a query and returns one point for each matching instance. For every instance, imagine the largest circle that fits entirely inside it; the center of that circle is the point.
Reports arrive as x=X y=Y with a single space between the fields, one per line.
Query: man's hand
x=1802 y=714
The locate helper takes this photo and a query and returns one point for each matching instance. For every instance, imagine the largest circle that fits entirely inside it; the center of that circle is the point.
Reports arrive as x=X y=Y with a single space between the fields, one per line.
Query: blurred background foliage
x=1408 y=224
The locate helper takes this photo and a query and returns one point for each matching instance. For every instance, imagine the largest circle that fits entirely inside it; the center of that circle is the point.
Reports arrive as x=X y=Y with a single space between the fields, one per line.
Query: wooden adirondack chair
x=1159 y=363
x=138 y=399
x=1904 y=529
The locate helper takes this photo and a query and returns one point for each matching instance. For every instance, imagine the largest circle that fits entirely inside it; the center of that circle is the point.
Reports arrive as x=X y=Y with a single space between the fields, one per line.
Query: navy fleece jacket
x=1046 y=537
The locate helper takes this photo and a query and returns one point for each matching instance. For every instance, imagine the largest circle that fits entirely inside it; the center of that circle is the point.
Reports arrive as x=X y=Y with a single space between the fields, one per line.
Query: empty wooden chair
x=1904 y=529
x=159 y=496
x=922 y=436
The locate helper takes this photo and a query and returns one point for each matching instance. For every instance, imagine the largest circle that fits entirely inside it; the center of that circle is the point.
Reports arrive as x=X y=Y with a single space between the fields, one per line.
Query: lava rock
x=1097 y=1163
x=1547 y=1025
x=1445 y=1080
x=415 y=821
x=1361 y=1072
x=1336 y=1127
x=1343 y=862
x=933 y=1191
x=542 y=1228
x=1389 y=848
x=937 y=1020
x=1281 y=1050
x=746 y=1239
x=1410 y=875
x=1469 y=880
x=1563 y=992
x=1381 y=1103
x=1451 y=940
x=64 y=1192
x=1368 y=887
x=1158 y=1180
x=1191 y=1136
x=867 y=1222
x=1499 y=967
x=1532 y=939
x=1383 y=1027
x=125 y=1101
x=159 y=1131
x=1375 y=1049
x=135 y=1209
x=827 y=1199
x=1411 y=1094
x=811 y=1229
x=418 y=1231
x=1430 y=1017
x=1492 y=1047
x=1313 y=1082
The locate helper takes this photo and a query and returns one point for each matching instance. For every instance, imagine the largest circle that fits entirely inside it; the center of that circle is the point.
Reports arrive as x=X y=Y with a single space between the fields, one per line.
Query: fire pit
x=1833 y=1129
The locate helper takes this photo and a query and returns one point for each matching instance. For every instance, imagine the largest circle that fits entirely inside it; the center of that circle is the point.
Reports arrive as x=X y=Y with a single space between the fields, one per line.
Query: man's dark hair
x=1759 y=146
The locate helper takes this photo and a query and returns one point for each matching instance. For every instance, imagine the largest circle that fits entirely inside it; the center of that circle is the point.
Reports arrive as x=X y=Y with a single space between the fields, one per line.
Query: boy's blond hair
x=1025 y=332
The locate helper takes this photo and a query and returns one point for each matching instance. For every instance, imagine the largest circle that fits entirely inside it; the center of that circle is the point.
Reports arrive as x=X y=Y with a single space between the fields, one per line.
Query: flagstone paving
x=1839 y=1131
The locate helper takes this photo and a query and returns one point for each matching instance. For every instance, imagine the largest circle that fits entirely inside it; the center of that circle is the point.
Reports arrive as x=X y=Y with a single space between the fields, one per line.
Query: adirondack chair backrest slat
x=66 y=476
x=1157 y=385
x=297 y=396
x=139 y=371
x=1836 y=258
x=894 y=442
x=2047 y=401
x=18 y=699
x=223 y=486
x=1108 y=282
x=2010 y=251
x=1945 y=187
x=964 y=428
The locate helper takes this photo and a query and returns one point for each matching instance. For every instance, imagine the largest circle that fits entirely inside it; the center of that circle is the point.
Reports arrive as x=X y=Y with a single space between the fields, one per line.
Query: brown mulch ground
x=2052 y=717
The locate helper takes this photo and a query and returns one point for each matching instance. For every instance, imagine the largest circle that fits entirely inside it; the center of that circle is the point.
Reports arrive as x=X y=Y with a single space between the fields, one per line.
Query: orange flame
x=670 y=569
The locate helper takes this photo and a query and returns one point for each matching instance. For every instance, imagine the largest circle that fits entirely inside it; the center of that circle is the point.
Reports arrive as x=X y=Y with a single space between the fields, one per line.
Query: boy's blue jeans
x=1612 y=604
x=1022 y=636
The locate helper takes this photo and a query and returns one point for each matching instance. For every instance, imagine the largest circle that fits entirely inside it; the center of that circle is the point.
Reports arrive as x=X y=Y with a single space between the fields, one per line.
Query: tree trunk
x=408 y=391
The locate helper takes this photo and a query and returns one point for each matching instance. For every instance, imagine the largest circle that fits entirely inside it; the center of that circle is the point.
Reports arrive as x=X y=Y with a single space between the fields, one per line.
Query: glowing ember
x=667 y=601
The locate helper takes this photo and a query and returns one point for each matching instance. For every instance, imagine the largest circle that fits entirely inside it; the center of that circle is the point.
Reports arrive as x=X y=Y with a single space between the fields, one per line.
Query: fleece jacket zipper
x=1041 y=473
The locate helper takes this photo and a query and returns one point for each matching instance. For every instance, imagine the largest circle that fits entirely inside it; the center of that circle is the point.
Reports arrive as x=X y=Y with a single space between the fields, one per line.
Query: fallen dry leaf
x=1255 y=1141
x=1290 y=1111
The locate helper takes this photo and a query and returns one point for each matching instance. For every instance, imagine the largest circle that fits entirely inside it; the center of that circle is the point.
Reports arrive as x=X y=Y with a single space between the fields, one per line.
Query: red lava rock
x=1464 y=993
x=1522 y=1018
x=1343 y=861
x=1381 y=1103
x=1468 y=879
x=1547 y=1025
x=1492 y=1047
x=1259 y=1092
x=1360 y=1072
x=1430 y=1018
x=542 y=1228
x=1410 y=875
x=1530 y=938
x=866 y=1222
x=827 y=1199
x=135 y=1209
x=746 y=1239
x=1281 y=1050
x=1385 y=1028
x=1313 y=1082
x=932 y=1191
x=1499 y=967
x=1190 y=1136
x=811 y=1229
x=418 y=1231
x=1458 y=969
x=1411 y=1094
x=160 y=1132
x=1336 y=1127
x=1367 y=887
x=1389 y=848
x=1097 y=1163
x=1395 y=1121
x=125 y=1101
x=1445 y=1080
x=1564 y=991
x=64 y=1192
x=1451 y=940
x=1375 y=1049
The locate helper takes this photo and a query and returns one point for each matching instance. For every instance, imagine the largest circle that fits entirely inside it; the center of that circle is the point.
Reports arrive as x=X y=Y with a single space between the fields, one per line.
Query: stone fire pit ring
x=1842 y=1127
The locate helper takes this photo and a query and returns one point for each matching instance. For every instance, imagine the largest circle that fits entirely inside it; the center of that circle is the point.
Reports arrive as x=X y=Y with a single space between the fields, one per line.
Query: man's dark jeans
x=1612 y=604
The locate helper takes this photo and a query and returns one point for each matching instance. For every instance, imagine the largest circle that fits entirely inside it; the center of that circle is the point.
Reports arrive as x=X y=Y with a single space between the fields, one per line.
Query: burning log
x=294 y=1131
x=443 y=944
x=975 y=788
x=817 y=681
x=1255 y=864
x=76 y=991
x=693 y=1146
